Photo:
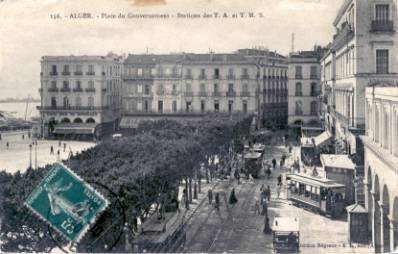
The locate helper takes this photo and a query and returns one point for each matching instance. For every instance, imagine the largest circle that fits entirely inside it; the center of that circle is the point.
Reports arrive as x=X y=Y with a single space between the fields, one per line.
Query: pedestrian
x=267 y=228
x=70 y=152
x=273 y=163
x=23 y=136
x=264 y=210
x=0 y=136
x=51 y=150
x=280 y=180
x=29 y=134
x=58 y=153
x=269 y=172
x=281 y=164
x=290 y=148
x=217 y=201
x=210 y=195
x=8 y=145
x=59 y=143
x=184 y=198
x=256 y=207
x=232 y=197
x=64 y=146
x=268 y=193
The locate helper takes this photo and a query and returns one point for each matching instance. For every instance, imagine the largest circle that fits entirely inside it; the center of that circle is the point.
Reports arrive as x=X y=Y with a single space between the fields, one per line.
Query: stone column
x=393 y=228
x=381 y=225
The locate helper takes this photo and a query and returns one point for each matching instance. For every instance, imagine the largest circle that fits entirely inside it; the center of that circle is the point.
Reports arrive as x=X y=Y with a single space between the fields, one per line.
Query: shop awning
x=322 y=138
x=337 y=161
x=83 y=128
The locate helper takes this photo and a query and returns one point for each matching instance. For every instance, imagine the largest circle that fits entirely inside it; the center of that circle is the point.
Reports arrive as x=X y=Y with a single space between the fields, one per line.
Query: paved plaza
x=16 y=157
x=238 y=229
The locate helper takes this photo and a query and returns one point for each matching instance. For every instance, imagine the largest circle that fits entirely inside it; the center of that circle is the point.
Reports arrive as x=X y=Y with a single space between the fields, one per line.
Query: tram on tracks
x=319 y=194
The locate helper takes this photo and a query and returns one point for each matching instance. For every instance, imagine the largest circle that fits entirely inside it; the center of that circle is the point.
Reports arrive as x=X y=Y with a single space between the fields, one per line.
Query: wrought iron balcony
x=231 y=94
x=188 y=76
x=188 y=94
x=103 y=73
x=299 y=76
x=230 y=76
x=90 y=73
x=91 y=90
x=202 y=76
x=53 y=73
x=65 y=89
x=203 y=94
x=216 y=76
x=244 y=76
x=313 y=76
x=65 y=73
x=78 y=90
x=245 y=94
x=78 y=73
x=53 y=89
x=216 y=94
x=382 y=26
x=343 y=37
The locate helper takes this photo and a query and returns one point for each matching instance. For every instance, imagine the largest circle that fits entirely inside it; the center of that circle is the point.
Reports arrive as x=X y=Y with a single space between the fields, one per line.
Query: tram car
x=316 y=193
x=253 y=163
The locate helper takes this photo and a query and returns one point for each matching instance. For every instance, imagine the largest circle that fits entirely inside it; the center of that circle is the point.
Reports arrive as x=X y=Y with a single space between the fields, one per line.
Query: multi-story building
x=360 y=55
x=381 y=166
x=198 y=84
x=303 y=87
x=80 y=95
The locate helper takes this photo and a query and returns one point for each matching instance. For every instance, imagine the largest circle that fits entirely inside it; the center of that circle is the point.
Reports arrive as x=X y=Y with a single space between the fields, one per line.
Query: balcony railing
x=343 y=37
x=202 y=76
x=216 y=76
x=78 y=73
x=203 y=94
x=231 y=94
x=53 y=89
x=188 y=94
x=244 y=76
x=65 y=89
x=103 y=90
x=78 y=90
x=65 y=73
x=313 y=76
x=298 y=94
x=299 y=76
x=91 y=90
x=90 y=73
x=103 y=73
x=216 y=94
x=382 y=26
x=53 y=73
x=188 y=76
x=245 y=94
x=230 y=76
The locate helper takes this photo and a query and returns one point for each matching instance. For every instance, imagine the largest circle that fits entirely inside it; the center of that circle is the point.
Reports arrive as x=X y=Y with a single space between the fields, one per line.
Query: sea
x=18 y=109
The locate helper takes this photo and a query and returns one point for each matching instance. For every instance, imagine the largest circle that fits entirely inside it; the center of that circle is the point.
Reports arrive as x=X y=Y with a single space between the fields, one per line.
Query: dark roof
x=215 y=57
x=305 y=54
x=259 y=52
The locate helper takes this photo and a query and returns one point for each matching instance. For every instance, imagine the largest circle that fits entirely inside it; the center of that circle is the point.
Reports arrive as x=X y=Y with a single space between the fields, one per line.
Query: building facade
x=360 y=55
x=199 y=84
x=303 y=87
x=79 y=91
x=381 y=164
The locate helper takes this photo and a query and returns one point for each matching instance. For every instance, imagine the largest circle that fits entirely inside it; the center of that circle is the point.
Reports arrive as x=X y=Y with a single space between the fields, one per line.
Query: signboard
x=66 y=202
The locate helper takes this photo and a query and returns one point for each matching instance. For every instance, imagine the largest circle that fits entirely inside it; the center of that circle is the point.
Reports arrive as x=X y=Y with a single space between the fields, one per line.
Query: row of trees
x=134 y=173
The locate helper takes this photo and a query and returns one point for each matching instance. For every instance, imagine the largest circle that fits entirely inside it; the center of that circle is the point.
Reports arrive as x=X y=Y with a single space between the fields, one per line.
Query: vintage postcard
x=203 y=126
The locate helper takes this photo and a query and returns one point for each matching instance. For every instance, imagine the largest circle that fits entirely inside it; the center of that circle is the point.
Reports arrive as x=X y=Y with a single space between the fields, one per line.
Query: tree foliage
x=138 y=172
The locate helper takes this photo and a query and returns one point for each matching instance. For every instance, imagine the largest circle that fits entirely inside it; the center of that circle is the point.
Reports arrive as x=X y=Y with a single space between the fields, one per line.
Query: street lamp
x=30 y=156
x=36 y=153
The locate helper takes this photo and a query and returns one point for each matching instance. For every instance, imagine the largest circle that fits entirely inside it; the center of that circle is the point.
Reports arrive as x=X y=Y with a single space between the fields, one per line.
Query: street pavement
x=17 y=156
x=237 y=229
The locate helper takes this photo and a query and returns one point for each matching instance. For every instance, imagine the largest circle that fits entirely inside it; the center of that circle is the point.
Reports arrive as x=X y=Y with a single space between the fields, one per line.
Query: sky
x=28 y=31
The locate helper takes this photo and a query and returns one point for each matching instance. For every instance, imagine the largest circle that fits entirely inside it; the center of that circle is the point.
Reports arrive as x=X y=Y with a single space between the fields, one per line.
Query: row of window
x=299 y=108
x=299 y=89
x=66 y=103
x=188 y=106
x=78 y=70
x=299 y=72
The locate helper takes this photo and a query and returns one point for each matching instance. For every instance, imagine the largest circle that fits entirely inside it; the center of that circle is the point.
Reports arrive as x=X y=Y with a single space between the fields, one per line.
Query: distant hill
x=10 y=100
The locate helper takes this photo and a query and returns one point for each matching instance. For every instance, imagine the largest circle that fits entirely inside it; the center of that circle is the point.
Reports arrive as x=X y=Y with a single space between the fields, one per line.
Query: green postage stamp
x=66 y=202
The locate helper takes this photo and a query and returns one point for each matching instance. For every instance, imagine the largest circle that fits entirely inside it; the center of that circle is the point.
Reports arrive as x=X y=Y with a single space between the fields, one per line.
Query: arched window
x=313 y=109
x=53 y=102
x=299 y=89
x=66 y=102
x=90 y=120
x=78 y=120
x=65 y=120
x=299 y=108
x=78 y=101
x=91 y=101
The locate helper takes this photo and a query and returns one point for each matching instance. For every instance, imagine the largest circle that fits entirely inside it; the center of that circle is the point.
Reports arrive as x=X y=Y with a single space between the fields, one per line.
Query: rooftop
x=341 y=11
x=337 y=161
